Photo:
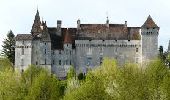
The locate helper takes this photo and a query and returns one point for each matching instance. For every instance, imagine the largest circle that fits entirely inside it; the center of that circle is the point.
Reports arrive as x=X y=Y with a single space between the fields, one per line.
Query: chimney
x=58 y=23
x=78 y=24
x=125 y=23
x=59 y=27
x=107 y=22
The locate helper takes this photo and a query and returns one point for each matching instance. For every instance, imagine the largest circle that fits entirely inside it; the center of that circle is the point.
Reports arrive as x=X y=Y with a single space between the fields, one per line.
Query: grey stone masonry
x=84 y=47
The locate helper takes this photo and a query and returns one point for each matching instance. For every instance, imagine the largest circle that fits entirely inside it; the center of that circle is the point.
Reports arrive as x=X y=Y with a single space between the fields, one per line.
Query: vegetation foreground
x=107 y=82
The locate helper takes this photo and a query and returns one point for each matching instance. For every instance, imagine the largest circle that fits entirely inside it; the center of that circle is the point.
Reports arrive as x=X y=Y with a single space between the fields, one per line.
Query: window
x=89 y=61
x=53 y=62
x=36 y=62
x=59 y=62
x=101 y=59
x=137 y=50
x=137 y=60
x=22 y=51
x=70 y=62
x=45 y=51
x=70 y=52
x=22 y=62
x=45 y=61
x=59 y=51
x=45 y=43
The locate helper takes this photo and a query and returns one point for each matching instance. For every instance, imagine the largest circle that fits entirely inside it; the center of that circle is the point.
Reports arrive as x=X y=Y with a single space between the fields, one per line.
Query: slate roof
x=56 y=40
x=149 y=23
x=23 y=37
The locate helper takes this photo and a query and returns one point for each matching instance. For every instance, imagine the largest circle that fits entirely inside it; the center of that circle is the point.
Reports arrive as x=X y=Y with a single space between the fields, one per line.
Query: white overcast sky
x=18 y=15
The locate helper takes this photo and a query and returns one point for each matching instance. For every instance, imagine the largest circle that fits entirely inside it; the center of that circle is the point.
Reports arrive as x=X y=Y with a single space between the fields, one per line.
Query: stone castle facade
x=85 y=46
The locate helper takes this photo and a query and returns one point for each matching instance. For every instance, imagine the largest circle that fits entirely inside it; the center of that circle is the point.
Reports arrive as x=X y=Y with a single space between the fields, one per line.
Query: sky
x=18 y=15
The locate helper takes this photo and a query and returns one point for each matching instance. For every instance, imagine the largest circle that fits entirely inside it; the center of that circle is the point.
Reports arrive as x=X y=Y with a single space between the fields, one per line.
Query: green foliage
x=35 y=83
x=9 y=47
x=44 y=87
x=10 y=86
x=107 y=82
x=81 y=76
x=128 y=82
x=5 y=64
x=71 y=73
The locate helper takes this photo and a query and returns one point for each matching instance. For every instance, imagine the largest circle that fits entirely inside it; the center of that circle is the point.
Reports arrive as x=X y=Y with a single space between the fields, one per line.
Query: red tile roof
x=149 y=23
x=114 y=31
x=68 y=37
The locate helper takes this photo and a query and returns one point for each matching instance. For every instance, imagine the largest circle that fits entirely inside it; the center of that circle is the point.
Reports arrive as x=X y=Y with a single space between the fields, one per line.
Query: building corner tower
x=149 y=33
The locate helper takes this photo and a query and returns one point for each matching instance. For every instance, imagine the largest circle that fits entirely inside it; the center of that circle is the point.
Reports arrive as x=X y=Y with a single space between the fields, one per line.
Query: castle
x=85 y=46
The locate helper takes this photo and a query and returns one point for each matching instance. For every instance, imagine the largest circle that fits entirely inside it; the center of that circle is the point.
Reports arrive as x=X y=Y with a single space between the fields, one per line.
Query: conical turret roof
x=36 y=29
x=149 y=23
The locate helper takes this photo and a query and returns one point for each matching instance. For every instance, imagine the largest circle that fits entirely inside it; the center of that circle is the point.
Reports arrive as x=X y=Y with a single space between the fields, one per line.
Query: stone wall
x=62 y=60
x=89 y=53
x=23 y=51
x=149 y=43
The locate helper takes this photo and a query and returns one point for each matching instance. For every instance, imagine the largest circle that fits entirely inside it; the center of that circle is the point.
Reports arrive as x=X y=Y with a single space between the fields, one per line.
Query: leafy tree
x=44 y=87
x=71 y=73
x=161 y=50
x=5 y=64
x=81 y=76
x=11 y=87
x=40 y=84
x=8 y=47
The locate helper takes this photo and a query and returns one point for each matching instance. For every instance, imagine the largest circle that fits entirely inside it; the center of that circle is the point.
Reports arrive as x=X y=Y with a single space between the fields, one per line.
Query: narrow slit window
x=45 y=61
x=22 y=51
x=59 y=62
x=137 y=50
x=45 y=51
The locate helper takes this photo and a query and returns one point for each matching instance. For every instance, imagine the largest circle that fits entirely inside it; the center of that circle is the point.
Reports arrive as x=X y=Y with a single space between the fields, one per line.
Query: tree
x=71 y=73
x=8 y=47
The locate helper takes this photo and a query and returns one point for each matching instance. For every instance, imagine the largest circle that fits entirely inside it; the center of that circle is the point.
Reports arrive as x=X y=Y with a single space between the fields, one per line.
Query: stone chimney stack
x=125 y=23
x=107 y=22
x=59 y=22
x=78 y=24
